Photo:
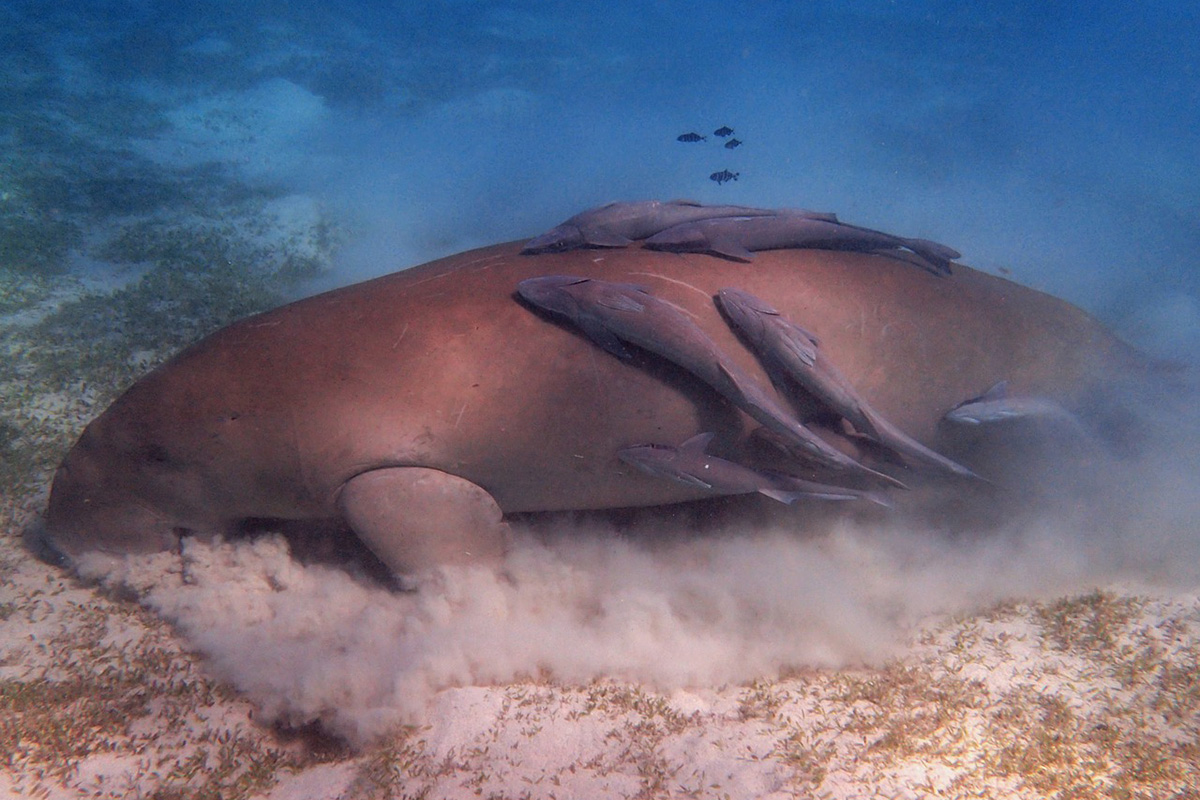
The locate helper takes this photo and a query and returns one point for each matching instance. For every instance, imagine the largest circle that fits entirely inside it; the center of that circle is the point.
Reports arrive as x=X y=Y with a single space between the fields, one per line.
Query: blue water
x=1055 y=143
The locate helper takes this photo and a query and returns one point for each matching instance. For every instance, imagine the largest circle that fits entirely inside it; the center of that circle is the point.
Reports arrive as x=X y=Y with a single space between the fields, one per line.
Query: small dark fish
x=732 y=143
x=723 y=131
x=723 y=176
x=690 y=137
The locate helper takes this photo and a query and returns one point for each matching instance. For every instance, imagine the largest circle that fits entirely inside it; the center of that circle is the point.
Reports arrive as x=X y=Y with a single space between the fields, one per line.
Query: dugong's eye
x=157 y=454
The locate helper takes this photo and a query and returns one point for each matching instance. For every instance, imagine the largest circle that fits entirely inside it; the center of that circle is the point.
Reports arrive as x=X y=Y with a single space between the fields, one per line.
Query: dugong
x=420 y=408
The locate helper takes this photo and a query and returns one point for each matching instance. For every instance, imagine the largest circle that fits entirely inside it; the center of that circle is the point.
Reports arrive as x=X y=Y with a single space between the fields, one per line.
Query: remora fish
x=620 y=224
x=787 y=351
x=995 y=406
x=689 y=464
x=610 y=313
x=737 y=237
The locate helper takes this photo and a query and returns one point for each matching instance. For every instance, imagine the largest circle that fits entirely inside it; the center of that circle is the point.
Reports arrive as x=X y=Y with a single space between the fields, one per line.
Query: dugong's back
x=440 y=368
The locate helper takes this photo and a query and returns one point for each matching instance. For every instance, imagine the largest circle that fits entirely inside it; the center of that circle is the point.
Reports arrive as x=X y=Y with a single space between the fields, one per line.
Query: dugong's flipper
x=415 y=518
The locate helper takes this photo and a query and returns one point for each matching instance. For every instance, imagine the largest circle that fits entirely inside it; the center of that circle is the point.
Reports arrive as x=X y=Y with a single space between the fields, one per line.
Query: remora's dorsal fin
x=697 y=444
x=730 y=248
x=935 y=249
x=999 y=391
x=821 y=216
x=602 y=237
x=603 y=337
x=688 y=479
x=734 y=383
x=936 y=267
x=801 y=344
x=812 y=336
x=621 y=302
x=787 y=497
x=639 y=288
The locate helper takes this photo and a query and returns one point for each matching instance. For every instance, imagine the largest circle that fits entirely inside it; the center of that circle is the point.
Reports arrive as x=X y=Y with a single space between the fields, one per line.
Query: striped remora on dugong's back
x=621 y=224
x=739 y=238
x=420 y=407
x=789 y=352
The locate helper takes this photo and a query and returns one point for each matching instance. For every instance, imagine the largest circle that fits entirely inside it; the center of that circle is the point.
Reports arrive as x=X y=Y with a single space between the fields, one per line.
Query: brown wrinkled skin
x=439 y=366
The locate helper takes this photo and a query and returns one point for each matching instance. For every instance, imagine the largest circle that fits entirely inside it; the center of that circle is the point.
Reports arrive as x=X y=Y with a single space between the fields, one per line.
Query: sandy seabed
x=582 y=673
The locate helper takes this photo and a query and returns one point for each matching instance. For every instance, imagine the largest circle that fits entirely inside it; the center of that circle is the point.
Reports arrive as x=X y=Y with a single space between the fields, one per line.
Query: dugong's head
x=113 y=494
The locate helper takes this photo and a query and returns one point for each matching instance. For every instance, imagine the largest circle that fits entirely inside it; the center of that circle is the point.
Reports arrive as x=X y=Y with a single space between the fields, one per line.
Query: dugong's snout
x=89 y=510
x=38 y=542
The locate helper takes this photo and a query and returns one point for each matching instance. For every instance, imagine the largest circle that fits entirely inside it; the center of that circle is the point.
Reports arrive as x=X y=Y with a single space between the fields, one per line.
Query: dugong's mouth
x=67 y=551
x=38 y=541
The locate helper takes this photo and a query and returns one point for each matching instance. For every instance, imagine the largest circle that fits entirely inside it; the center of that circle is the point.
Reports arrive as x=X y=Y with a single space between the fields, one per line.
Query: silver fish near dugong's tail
x=613 y=313
x=621 y=224
x=996 y=409
x=788 y=352
x=737 y=237
x=689 y=464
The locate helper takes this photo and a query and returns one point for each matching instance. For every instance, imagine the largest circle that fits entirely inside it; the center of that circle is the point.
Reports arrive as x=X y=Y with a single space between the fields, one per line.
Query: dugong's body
x=420 y=406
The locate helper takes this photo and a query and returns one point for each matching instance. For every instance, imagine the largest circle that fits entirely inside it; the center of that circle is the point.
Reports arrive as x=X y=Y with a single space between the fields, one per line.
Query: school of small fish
x=723 y=132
